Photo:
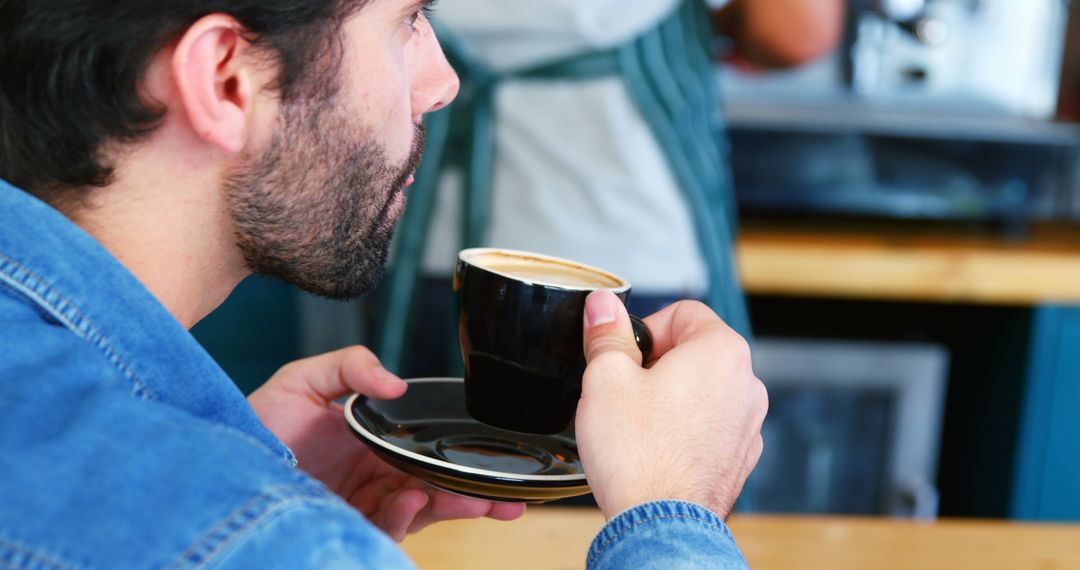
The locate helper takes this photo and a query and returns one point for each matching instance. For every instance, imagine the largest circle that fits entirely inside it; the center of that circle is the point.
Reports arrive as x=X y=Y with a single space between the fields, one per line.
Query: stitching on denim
x=16 y=294
x=214 y=541
x=84 y=328
x=603 y=546
x=38 y=291
x=240 y=532
x=10 y=549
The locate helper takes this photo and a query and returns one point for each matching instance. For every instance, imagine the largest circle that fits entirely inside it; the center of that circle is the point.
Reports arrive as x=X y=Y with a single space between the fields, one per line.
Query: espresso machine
x=960 y=56
x=928 y=110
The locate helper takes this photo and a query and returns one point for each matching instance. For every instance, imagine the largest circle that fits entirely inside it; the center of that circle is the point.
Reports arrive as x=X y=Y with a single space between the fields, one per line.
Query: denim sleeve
x=323 y=535
x=665 y=535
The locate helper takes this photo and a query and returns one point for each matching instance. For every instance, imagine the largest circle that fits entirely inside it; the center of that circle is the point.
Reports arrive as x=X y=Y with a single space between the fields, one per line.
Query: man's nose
x=437 y=82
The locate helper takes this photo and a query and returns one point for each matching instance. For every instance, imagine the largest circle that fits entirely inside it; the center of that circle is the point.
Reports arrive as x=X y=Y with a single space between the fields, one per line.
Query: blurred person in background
x=154 y=155
x=589 y=130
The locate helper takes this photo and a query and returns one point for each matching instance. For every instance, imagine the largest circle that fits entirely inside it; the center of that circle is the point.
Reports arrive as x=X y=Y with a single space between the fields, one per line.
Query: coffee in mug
x=520 y=327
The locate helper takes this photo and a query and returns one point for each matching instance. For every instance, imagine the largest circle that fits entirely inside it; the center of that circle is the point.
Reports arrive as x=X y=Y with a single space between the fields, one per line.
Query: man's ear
x=216 y=76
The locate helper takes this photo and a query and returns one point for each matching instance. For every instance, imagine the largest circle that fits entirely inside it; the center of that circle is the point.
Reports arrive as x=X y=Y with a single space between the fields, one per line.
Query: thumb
x=607 y=328
x=327 y=377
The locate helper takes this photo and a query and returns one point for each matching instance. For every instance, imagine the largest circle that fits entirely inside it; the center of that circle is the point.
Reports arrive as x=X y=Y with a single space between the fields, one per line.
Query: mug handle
x=643 y=338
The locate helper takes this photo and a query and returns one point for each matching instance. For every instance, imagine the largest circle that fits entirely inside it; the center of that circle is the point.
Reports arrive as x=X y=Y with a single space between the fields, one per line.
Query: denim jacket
x=125 y=446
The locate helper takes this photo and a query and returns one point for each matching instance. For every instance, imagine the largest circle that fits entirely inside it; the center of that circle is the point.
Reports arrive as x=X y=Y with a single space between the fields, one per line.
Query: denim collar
x=71 y=277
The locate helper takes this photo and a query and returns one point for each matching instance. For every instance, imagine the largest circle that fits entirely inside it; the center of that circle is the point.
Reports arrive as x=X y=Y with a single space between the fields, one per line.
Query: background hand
x=297 y=405
x=688 y=427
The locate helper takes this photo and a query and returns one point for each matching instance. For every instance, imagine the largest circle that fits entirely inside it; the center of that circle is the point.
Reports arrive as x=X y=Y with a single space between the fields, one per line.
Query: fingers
x=506 y=511
x=359 y=370
x=445 y=506
x=700 y=393
x=370 y=497
x=326 y=377
x=607 y=328
x=682 y=321
x=752 y=457
x=399 y=511
x=760 y=408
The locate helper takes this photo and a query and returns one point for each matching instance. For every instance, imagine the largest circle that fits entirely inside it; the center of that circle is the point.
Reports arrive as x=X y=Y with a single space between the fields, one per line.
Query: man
x=155 y=155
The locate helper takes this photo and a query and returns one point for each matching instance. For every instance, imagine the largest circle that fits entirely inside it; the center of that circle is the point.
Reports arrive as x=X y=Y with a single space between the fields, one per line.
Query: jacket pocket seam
x=19 y=556
x=237 y=523
x=25 y=282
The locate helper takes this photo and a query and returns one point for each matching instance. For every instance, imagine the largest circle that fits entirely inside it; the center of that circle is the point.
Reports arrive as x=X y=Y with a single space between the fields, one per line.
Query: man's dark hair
x=70 y=73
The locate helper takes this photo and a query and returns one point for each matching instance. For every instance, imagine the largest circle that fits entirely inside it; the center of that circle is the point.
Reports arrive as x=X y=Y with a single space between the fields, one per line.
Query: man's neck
x=174 y=235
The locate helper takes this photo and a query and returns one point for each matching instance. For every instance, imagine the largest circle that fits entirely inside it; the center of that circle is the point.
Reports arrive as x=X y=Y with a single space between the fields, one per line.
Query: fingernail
x=601 y=308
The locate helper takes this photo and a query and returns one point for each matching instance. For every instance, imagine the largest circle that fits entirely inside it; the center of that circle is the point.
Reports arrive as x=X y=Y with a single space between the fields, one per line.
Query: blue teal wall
x=1047 y=485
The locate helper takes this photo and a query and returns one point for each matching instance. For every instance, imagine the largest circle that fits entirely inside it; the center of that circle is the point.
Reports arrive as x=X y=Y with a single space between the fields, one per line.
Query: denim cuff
x=665 y=534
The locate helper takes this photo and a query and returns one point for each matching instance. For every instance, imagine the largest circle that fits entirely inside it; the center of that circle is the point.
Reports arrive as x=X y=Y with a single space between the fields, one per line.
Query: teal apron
x=669 y=74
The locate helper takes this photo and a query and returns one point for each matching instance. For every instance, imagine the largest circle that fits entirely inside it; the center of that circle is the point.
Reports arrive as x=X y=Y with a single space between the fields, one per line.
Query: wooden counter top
x=557 y=538
x=913 y=264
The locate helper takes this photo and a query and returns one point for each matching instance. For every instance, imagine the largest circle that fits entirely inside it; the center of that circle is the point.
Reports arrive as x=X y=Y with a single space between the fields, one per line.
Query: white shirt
x=577 y=173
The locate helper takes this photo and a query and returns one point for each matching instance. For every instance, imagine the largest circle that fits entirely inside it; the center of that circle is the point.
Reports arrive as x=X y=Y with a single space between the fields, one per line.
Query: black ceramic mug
x=520 y=327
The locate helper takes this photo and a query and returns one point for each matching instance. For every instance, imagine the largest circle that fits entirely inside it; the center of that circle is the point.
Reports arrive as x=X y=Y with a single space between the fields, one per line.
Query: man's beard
x=318 y=208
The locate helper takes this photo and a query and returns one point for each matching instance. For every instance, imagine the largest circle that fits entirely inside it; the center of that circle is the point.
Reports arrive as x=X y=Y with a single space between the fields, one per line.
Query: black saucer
x=426 y=433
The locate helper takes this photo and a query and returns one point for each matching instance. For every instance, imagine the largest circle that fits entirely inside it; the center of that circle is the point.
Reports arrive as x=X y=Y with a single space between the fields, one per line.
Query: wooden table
x=912 y=264
x=557 y=538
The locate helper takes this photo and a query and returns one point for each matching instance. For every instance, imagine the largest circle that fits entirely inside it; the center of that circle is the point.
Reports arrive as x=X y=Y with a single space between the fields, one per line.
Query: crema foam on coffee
x=549 y=271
